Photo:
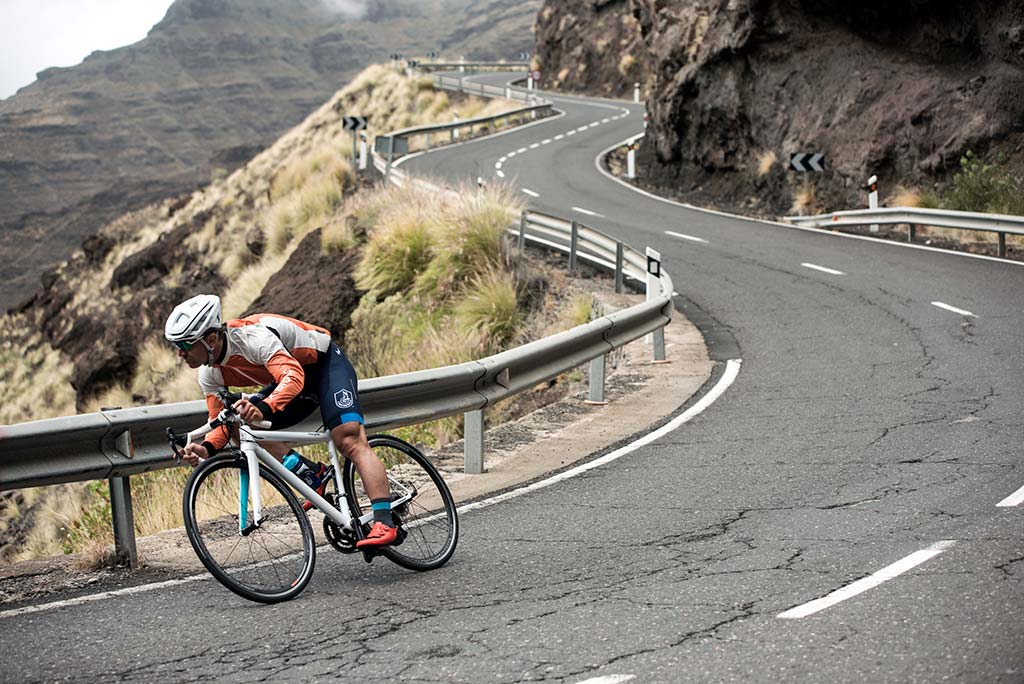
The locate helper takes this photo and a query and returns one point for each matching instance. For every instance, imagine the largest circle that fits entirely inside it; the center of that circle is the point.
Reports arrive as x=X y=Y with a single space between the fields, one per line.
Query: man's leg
x=350 y=438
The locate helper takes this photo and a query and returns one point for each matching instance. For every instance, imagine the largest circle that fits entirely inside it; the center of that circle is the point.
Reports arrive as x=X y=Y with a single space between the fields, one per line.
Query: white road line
x=587 y=212
x=502 y=160
x=501 y=174
x=568 y=133
x=534 y=146
x=608 y=679
x=520 y=150
x=823 y=269
x=1014 y=499
x=497 y=165
x=582 y=128
x=545 y=141
x=686 y=237
x=510 y=155
x=559 y=136
x=869 y=582
x=955 y=310
x=605 y=120
x=531 y=193
x=732 y=370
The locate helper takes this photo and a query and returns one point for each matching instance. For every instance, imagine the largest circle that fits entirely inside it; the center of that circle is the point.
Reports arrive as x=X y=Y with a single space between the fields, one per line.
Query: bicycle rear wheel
x=270 y=560
x=424 y=509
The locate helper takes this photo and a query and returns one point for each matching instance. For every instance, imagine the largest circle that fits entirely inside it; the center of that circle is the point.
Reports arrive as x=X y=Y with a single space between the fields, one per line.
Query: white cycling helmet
x=193 y=317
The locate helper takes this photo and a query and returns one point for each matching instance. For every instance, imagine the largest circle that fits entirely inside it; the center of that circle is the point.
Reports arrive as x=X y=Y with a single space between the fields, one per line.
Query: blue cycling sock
x=382 y=511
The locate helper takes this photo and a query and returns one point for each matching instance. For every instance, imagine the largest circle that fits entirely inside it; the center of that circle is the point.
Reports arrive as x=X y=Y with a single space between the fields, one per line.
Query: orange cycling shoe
x=380 y=535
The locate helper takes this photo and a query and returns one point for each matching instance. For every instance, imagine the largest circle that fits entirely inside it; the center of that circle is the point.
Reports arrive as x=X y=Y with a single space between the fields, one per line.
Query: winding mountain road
x=846 y=511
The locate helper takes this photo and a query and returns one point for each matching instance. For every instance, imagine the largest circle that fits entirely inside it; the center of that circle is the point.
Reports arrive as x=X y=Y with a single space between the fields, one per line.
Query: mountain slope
x=212 y=84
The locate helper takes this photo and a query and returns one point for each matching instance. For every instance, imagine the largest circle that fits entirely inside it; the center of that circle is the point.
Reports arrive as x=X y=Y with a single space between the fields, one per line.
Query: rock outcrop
x=900 y=89
x=212 y=84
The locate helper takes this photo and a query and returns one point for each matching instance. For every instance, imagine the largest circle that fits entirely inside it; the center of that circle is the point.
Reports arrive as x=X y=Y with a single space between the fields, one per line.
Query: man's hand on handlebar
x=248 y=412
x=193 y=452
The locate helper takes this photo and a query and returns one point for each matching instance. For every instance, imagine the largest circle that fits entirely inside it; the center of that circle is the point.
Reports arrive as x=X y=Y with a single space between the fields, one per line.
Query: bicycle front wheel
x=266 y=560
x=423 y=507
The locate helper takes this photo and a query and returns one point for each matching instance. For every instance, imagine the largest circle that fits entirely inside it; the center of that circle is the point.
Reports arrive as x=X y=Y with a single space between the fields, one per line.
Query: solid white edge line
x=608 y=679
x=1014 y=499
x=860 y=586
x=831 y=271
x=531 y=193
x=947 y=307
x=587 y=212
x=686 y=237
x=778 y=224
x=732 y=369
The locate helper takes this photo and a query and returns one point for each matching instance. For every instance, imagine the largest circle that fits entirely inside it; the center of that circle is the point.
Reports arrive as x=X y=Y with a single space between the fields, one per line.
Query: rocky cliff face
x=213 y=83
x=900 y=88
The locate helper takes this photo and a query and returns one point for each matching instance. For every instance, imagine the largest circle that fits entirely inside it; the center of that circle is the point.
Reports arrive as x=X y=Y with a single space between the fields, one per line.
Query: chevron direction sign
x=807 y=162
x=353 y=123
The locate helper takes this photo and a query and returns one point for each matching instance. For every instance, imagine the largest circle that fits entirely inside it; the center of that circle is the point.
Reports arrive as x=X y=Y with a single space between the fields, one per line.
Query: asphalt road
x=865 y=444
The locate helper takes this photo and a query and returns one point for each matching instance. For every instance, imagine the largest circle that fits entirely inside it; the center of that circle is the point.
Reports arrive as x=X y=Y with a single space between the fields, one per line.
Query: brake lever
x=176 y=444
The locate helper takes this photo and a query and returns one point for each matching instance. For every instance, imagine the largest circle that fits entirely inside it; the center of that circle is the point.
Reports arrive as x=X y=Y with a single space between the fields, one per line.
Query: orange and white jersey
x=259 y=350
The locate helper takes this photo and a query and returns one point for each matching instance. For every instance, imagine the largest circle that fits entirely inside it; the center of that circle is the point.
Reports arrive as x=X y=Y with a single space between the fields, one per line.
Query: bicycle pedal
x=368 y=556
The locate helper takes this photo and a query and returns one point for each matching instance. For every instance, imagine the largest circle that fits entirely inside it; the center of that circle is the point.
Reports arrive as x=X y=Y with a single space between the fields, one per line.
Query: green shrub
x=986 y=187
x=395 y=255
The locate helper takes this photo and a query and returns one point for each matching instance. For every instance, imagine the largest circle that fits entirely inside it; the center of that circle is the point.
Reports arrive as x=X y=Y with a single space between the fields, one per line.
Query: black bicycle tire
x=195 y=480
x=394 y=554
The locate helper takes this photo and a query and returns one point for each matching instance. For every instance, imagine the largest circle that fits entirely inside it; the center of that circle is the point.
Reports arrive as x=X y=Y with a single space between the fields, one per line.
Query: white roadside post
x=362 y=151
x=873 y=199
x=455 y=131
x=529 y=81
x=631 y=161
x=657 y=338
x=636 y=93
x=462 y=64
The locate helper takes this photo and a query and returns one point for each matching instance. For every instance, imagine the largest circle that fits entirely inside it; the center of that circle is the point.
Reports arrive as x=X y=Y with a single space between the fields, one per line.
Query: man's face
x=195 y=356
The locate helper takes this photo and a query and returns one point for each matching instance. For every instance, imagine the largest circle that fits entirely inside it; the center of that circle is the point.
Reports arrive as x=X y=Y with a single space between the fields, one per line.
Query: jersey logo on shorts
x=343 y=398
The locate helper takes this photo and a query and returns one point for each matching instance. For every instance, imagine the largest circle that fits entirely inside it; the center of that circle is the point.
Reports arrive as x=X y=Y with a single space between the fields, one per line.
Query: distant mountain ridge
x=212 y=84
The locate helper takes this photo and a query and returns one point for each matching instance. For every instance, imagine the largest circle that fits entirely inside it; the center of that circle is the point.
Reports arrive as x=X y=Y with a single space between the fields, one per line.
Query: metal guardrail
x=914 y=216
x=510 y=66
x=119 y=443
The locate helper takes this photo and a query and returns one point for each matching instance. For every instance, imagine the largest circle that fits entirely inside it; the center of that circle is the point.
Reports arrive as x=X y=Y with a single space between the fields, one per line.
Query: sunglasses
x=184 y=346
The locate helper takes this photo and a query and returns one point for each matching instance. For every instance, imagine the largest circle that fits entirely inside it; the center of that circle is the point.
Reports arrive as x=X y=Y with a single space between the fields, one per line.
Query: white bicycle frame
x=255 y=454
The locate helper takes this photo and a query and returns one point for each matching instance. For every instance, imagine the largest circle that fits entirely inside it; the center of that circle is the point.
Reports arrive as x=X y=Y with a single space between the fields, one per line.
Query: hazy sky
x=36 y=34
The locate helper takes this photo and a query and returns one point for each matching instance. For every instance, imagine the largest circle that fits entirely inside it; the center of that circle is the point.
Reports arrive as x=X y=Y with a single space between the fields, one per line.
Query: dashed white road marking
x=587 y=212
x=605 y=120
x=608 y=679
x=572 y=132
x=955 y=310
x=869 y=582
x=1014 y=499
x=831 y=271
x=500 y=173
x=686 y=237
x=534 y=146
x=531 y=193
x=582 y=128
x=559 y=136
x=520 y=150
x=545 y=141
x=732 y=370
x=497 y=165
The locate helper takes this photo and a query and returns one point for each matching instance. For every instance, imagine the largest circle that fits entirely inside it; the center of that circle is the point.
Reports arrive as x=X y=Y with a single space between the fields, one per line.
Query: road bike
x=250 y=531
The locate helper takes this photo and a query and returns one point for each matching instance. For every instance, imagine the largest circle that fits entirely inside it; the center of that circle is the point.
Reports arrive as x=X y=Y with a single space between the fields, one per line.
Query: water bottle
x=293 y=463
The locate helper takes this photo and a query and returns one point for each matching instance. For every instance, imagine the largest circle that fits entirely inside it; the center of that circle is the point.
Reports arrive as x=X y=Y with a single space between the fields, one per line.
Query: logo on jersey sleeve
x=343 y=399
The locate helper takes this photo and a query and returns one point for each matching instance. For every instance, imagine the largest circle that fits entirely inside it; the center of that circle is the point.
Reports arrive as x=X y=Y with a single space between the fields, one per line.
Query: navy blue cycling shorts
x=330 y=384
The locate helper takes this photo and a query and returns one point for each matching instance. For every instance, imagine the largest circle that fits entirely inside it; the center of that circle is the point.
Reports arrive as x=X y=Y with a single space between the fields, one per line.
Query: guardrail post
x=124 y=521
x=521 y=242
x=911 y=230
x=473 y=442
x=619 y=258
x=653 y=290
x=595 y=394
x=1002 y=244
x=391 y=156
x=455 y=131
x=574 y=239
x=428 y=141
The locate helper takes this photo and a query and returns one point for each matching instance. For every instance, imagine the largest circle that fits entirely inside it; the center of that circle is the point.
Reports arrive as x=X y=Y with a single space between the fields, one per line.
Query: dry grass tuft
x=626 y=64
x=765 y=161
x=805 y=200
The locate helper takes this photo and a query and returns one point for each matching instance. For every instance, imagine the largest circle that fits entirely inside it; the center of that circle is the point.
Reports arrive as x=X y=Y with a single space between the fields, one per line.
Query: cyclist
x=301 y=368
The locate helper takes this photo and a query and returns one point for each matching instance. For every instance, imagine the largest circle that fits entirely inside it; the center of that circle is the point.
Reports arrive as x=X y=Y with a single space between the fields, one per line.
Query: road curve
x=833 y=516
